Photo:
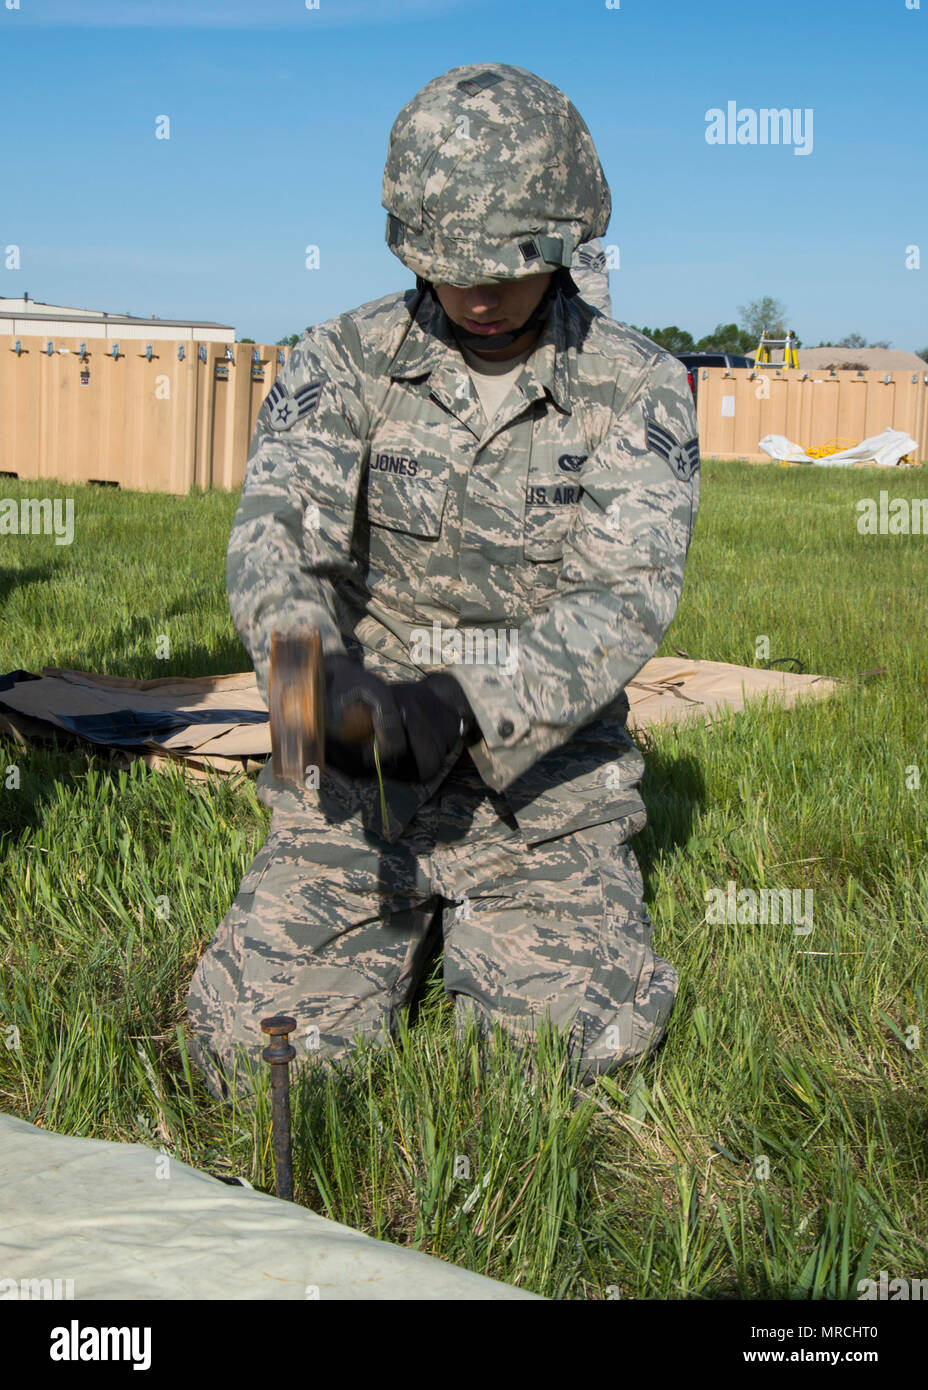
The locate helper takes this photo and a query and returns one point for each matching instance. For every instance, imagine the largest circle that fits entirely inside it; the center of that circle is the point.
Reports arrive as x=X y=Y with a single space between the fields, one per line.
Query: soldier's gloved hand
x=436 y=715
x=347 y=683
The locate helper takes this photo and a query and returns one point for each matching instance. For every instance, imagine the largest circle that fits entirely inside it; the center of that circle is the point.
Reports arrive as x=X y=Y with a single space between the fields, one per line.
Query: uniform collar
x=430 y=345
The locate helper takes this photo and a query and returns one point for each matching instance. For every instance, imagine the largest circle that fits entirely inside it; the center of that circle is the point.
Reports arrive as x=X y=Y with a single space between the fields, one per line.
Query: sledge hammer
x=296 y=703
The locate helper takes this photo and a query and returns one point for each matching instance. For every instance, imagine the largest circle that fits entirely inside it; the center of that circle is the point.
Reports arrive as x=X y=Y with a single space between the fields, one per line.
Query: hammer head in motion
x=296 y=702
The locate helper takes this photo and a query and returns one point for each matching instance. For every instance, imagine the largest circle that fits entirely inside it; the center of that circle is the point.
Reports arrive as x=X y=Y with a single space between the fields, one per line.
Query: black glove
x=347 y=683
x=436 y=715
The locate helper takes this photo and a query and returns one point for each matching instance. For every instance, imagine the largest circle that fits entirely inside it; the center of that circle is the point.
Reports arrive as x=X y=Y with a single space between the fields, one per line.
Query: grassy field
x=774 y=1147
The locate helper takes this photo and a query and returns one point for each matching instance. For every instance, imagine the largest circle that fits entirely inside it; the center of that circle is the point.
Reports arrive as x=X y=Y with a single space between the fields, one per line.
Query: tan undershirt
x=493 y=380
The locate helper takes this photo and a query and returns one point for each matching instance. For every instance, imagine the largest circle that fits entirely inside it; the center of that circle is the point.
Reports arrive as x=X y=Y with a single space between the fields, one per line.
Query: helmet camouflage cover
x=491 y=174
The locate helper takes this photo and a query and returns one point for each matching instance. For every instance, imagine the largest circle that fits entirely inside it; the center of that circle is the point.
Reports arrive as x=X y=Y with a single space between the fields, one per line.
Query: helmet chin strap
x=504 y=340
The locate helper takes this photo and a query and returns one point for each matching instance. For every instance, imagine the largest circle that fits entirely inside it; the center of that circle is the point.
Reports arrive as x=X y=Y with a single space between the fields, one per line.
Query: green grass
x=648 y=1184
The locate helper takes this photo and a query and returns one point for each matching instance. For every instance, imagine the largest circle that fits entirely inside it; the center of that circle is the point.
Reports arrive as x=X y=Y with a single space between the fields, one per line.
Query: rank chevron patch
x=286 y=408
x=683 y=458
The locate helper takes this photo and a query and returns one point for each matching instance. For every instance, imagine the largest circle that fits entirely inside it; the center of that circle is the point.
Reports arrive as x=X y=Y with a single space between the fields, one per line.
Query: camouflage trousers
x=335 y=926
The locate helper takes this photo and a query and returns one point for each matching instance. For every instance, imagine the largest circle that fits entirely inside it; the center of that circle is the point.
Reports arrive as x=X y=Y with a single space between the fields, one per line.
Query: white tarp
x=123 y=1221
x=885 y=449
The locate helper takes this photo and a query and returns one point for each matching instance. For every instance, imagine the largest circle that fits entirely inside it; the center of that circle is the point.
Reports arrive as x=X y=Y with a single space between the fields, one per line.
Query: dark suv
x=692 y=361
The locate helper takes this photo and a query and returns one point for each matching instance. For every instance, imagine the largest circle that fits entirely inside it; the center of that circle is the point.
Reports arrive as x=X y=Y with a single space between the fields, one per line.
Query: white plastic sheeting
x=124 y=1221
x=885 y=449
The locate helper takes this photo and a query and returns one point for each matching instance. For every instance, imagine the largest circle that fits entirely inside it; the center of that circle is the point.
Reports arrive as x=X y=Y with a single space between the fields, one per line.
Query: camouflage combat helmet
x=491 y=174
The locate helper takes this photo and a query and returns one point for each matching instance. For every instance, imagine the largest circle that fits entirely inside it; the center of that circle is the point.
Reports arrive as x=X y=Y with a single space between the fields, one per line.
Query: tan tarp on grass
x=666 y=689
x=124 y=1221
x=672 y=688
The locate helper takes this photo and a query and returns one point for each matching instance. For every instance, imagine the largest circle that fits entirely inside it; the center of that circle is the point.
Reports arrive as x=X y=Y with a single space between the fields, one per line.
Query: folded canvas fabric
x=206 y=722
x=671 y=689
x=89 y=1219
x=221 y=722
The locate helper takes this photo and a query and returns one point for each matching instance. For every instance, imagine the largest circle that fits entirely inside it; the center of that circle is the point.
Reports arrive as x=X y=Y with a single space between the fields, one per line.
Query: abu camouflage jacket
x=380 y=505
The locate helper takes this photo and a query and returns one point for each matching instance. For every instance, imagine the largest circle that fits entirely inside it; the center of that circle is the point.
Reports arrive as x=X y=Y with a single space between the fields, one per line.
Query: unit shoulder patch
x=285 y=407
x=683 y=458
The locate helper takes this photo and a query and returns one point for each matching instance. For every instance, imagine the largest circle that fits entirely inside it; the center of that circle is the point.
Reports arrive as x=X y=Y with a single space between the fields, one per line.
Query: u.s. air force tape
x=683 y=458
x=285 y=408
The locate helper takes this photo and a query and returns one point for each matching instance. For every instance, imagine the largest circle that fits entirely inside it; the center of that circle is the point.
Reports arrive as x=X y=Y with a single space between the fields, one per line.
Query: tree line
x=742 y=337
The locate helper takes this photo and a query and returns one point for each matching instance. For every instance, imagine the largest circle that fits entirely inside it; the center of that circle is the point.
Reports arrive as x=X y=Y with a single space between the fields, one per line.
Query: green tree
x=727 y=337
x=923 y=354
x=759 y=314
x=857 y=340
x=673 y=339
x=292 y=341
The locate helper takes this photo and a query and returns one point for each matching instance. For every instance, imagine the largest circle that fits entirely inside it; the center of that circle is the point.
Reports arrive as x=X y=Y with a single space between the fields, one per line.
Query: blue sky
x=280 y=116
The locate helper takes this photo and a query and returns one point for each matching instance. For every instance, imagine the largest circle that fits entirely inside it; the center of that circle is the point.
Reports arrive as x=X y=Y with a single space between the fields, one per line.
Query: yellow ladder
x=788 y=344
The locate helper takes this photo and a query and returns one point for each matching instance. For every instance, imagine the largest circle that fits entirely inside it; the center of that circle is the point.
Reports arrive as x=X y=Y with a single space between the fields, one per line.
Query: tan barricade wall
x=159 y=425
x=736 y=412
x=169 y=424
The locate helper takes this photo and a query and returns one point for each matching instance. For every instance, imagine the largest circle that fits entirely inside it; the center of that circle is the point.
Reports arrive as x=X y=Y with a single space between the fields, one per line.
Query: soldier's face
x=496 y=308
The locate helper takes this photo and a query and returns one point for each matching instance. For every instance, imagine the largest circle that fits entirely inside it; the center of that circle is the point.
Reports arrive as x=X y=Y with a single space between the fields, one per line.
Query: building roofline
x=104 y=318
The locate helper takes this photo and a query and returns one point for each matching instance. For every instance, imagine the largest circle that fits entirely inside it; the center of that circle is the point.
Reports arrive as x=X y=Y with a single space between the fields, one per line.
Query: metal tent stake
x=279 y=1053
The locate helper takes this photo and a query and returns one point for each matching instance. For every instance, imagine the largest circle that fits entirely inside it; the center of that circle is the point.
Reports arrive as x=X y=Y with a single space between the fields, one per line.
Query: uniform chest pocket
x=549 y=511
x=410 y=502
